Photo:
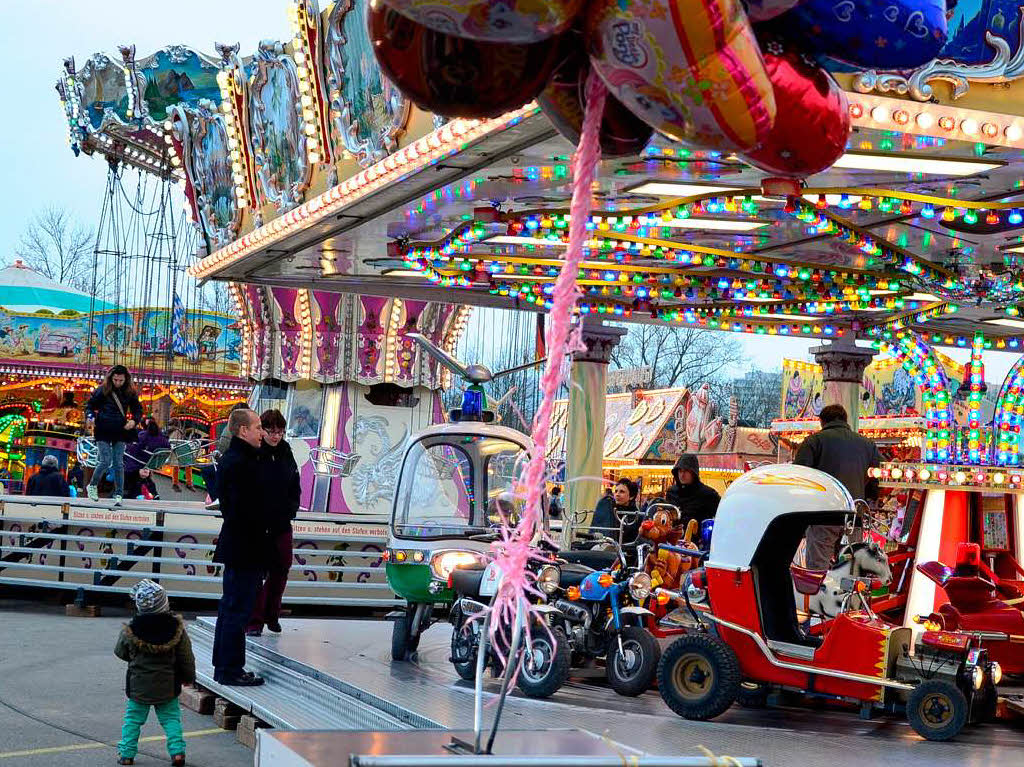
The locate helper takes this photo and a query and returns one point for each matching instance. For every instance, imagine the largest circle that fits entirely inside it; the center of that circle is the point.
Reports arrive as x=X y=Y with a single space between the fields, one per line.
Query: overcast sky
x=38 y=166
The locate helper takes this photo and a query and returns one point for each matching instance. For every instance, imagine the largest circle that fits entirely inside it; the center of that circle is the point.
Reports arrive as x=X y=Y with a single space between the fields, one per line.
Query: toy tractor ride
x=749 y=636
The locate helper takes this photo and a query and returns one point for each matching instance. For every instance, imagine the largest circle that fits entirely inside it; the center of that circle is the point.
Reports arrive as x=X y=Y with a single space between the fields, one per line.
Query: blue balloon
x=871 y=34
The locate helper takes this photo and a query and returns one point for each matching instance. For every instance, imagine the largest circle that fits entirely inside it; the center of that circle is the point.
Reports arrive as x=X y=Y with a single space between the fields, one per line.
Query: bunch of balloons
x=731 y=75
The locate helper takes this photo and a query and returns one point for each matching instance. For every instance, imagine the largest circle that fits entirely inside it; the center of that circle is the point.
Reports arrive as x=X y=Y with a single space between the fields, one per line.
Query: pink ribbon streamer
x=516 y=548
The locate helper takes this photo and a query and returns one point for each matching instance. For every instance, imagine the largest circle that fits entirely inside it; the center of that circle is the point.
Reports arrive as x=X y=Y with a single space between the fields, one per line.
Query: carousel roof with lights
x=917 y=226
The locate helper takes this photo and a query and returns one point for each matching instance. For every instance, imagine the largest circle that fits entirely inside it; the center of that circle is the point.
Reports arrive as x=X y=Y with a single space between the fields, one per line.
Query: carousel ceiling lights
x=714 y=224
x=1007 y=323
x=905 y=164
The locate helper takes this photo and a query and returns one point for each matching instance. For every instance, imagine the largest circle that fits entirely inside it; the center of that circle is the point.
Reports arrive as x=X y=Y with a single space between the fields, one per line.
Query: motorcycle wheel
x=403 y=644
x=546 y=668
x=631 y=672
x=464 y=645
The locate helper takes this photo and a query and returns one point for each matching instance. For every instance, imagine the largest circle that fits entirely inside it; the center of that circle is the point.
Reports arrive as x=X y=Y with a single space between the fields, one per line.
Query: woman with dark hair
x=115 y=410
x=627 y=512
x=281 y=480
x=137 y=455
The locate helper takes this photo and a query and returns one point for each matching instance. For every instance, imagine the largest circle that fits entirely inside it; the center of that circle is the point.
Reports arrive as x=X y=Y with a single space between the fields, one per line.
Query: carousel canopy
x=26 y=291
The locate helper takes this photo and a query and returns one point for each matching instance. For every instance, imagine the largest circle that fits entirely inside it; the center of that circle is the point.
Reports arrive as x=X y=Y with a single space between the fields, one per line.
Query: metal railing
x=62 y=543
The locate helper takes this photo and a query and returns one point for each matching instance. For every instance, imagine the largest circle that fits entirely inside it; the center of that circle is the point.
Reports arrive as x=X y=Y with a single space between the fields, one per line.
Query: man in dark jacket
x=847 y=456
x=244 y=546
x=281 y=477
x=48 y=480
x=693 y=498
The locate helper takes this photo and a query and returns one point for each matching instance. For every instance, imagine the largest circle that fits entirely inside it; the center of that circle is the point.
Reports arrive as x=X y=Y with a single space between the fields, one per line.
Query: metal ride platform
x=337 y=674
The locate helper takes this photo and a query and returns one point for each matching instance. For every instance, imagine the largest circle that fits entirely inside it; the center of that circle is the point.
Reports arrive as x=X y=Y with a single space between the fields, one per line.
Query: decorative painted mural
x=104 y=93
x=65 y=340
x=203 y=138
x=887 y=389
x=176 y=75
x=278 y=142
x=369 y=113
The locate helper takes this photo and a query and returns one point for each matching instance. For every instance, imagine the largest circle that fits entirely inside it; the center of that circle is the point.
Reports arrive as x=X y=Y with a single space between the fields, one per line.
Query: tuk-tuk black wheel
x=937 y=710
x=699 y=676
x=403 y=644
x=632 y=672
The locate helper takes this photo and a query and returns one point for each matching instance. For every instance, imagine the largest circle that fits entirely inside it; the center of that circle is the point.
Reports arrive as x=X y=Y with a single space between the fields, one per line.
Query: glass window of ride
x=439 y=487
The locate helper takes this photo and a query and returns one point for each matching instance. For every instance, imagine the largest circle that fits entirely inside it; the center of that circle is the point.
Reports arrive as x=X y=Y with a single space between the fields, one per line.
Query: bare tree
x=758 y=395
x=679 y=356
x=59 y=247
x=216 y=297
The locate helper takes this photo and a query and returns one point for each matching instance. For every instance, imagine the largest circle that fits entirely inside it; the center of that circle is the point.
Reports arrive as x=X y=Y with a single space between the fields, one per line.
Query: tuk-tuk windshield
x=456 y=486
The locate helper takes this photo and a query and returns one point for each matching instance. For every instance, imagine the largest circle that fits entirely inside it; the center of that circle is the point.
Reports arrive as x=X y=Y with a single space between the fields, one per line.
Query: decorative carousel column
x=584 y=431
x=842 y=365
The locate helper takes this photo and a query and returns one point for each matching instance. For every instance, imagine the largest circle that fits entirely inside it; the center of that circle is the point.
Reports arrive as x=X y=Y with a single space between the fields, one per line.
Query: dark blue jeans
x=240 y=587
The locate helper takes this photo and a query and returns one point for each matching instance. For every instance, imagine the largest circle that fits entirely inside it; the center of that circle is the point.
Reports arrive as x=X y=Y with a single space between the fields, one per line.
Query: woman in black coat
x=280 y=483
x=115 y=411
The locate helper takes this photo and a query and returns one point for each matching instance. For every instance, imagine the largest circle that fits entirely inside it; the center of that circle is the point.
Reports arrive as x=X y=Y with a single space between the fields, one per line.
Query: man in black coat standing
x=243 y=547
x=693 y=498
x=48 y=480
x=846 y=455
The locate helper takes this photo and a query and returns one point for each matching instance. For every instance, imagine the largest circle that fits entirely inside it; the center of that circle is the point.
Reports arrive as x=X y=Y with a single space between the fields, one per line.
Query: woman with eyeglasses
x=281 y=479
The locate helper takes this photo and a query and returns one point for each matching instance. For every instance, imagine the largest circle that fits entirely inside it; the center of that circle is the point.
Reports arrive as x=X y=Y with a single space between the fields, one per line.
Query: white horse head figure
x=856 y=560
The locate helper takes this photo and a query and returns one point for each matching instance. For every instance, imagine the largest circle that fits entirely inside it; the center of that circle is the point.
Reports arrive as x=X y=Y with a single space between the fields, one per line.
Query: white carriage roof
x=762 y=495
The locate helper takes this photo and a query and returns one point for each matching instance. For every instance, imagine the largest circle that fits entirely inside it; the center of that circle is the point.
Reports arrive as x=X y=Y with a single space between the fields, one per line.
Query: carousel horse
x=667 y=568
x=821 y=592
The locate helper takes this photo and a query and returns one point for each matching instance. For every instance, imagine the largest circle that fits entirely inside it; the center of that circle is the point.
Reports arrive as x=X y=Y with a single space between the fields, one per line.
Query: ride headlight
x=640 y=586
x=977 y=677
x=443 y=562
x=547 y=579
x=997 y=672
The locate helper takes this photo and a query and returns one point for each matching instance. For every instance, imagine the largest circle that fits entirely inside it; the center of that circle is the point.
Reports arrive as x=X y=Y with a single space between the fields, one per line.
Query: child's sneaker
x=94 y=495
x=127 y=760
x=178 y=760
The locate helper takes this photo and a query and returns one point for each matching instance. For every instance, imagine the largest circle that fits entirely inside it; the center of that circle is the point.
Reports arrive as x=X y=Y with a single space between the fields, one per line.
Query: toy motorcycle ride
x=980 y=603
x=750 y=634
x=546 y=657
x=603 y=618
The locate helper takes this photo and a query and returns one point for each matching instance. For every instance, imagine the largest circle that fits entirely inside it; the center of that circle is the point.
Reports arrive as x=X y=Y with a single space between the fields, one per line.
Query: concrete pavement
x=62 y=696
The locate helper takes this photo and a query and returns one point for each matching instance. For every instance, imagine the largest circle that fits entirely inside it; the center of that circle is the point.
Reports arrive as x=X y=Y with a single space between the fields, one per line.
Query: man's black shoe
x=245 y=679
x=273 y=625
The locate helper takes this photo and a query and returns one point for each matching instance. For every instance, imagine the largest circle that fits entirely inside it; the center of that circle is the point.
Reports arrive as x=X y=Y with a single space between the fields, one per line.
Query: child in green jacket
x=160 y=660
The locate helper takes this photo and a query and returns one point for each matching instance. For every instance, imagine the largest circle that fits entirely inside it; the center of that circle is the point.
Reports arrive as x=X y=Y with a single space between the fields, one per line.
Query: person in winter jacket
x=244 y=546
x=693 y=498
x=48 y=480
x=160 y=660
x=115 y=410
x=281 y=475
x=137 y=455
x=847 y=456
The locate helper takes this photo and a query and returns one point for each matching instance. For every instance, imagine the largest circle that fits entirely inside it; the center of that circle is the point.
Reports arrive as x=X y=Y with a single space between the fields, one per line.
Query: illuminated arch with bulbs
x=1008 y=416
x=924 y=367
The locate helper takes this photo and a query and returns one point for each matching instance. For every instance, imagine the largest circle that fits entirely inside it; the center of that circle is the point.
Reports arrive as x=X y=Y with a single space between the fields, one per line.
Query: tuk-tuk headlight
x=997 y=672
x=443 y=562
x=640 y=586
x=547 y=579
x=977 y=677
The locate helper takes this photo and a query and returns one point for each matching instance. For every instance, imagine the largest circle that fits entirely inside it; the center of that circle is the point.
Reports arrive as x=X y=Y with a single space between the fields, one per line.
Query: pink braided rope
x=516 y=547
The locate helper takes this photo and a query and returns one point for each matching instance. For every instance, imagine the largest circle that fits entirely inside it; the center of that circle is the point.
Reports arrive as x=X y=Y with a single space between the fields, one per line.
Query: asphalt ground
x=62 y=696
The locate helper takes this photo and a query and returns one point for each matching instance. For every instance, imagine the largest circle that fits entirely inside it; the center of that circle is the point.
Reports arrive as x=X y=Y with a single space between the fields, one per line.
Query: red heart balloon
x=622 y=133
x=455 y=77
x=812 y=124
